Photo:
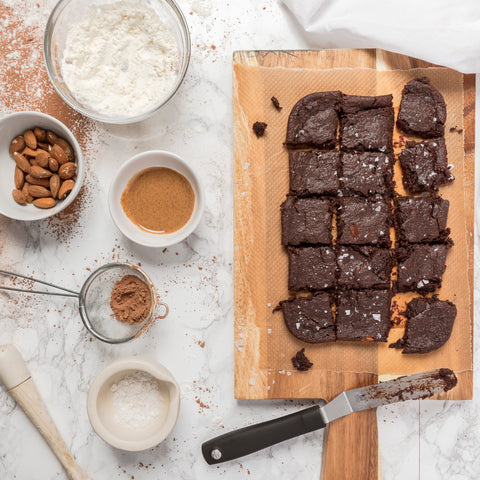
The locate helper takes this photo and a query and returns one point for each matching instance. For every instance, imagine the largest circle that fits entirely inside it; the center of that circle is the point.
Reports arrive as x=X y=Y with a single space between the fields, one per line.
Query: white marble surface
x=427 y=440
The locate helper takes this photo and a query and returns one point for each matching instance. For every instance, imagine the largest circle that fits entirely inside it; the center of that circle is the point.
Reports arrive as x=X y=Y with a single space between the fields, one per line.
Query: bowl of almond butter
x=42 y=166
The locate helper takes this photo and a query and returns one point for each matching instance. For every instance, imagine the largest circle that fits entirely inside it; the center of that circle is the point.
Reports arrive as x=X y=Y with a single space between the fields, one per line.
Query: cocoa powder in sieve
x=131 y=300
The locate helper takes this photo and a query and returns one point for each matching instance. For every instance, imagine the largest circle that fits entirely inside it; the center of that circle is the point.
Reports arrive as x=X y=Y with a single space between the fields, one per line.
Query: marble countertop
x=427 y=440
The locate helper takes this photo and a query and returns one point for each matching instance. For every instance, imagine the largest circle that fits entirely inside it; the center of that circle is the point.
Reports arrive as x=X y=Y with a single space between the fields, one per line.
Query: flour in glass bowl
x=120 y=59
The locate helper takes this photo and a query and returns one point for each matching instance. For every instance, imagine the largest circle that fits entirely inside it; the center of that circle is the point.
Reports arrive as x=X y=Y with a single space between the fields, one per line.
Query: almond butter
x=40 y=133
x=54 y=185
x=39 y=172
x=17 y=145
x=53 y=165
x=19 y=197
x=22 y=162
x=30 y=139
x=46 y=202
x=51 y=137
x=43 y=182
x=67 y=170
x=18 y=178
x=65 y=188
x=25 y=192
x=38 y=191
x=59 y=155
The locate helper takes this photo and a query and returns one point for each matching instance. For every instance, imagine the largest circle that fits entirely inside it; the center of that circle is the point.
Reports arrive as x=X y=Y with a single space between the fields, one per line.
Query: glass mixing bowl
x=67 y=12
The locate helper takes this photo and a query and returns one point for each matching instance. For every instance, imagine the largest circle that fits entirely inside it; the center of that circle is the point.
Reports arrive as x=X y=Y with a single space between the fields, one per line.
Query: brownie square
x=307 y=221
x=421 y=219
x=314 y=173
x=363 y=315
x=421 y=267
x=311 y=268
x=423 y=111
x=424 y=165
x=367 y=173
x=313 y=121
x=364 y=267
x=366 y=123
x=310 y=319
x=363 y=222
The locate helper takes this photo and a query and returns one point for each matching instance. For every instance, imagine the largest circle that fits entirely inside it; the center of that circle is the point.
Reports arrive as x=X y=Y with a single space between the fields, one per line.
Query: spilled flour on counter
x=120 y=59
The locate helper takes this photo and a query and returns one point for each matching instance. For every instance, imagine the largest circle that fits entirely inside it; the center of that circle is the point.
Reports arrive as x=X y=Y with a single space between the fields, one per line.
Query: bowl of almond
x=42 y=166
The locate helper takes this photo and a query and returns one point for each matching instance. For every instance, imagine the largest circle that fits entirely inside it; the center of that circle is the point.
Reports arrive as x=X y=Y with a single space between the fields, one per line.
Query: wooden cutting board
x=263 y=346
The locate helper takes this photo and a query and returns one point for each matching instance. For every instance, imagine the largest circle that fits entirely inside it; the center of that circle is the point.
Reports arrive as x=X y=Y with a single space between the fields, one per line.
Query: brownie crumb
x=400 y=343
x=259 y=128
x=301 y=362
x=276 y=103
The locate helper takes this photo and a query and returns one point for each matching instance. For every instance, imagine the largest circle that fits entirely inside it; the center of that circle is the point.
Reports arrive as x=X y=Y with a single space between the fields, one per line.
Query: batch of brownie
x=342 y=202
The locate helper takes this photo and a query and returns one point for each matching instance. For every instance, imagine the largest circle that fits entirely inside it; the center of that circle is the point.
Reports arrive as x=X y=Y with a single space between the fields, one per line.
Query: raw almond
x=52 y=164
x=18 y=178
x=30 y=152
x=30 y=139
x=17 y=145
x=59 y=155
x=25 y=192
x=40 y=133
x=43 y=182
x=39 y=191
x=66 y=148
x=55 y=185
x=44 y=146
x=65 y=189
x=46 y=202
x=42 y=160
x=51 y=137
x=33 y=162
x=39 y=172
x=22 y=162
x=67 y=170
x=19 y=197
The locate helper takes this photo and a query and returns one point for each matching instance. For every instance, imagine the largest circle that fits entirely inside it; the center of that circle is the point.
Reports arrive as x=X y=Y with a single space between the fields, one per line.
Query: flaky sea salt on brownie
x=421 y=267
x=310 y=319
x=364 y=267
x=314 y=172
x=366 y=123
x=363 y=222
x=363 y=315
x=423 y=111
x=421 y=219
x=306 y=221
x=425 y=165
x=311 y=268
x=313 y=121
x=367 y=173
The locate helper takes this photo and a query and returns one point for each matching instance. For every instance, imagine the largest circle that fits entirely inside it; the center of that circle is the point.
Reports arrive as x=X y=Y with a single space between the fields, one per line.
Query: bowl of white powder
x=116 y=61
x=133 y=403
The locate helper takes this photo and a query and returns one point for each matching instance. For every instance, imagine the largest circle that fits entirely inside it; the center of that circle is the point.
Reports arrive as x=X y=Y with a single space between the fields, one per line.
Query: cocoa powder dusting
x=131 y=300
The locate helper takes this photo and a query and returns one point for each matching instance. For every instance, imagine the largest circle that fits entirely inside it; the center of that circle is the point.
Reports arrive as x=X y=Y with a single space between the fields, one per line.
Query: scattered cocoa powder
x=131 y=300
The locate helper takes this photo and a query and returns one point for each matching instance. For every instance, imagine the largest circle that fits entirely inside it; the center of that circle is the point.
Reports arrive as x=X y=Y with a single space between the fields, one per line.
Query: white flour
x=120 y=59
x=137 y=400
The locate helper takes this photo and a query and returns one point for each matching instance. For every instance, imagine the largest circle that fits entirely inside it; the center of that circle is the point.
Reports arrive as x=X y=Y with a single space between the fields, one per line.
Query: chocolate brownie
x=367 y=173
x=313 y=121
x=366 y=123
x=310 y=319
x=429 y=324
x=422 y=109
x=364 y=267
x=421 y=219
x=311 y=268
x=363 y=315
x=314 y=173
x=363 y=222
x=424 y=165
x=421 y=267
x=306 y=221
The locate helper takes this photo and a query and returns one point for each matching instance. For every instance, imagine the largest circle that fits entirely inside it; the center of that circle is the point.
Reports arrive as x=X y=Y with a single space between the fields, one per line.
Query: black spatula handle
x=261 y=435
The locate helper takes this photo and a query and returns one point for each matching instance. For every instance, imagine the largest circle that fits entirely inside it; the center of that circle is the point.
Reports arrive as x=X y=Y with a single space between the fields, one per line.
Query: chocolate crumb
x=452 y=129
x=398 y=344
x=259 y=128
x=276 y=103
x=301 y=362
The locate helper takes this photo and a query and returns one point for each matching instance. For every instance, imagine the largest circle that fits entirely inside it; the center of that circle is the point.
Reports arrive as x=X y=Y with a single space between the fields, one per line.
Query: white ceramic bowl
x=153 y=158
x=100 y=406
x=15 y=124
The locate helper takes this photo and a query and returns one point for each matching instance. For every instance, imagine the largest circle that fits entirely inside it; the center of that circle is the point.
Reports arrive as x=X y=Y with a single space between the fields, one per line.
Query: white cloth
x=445 y=32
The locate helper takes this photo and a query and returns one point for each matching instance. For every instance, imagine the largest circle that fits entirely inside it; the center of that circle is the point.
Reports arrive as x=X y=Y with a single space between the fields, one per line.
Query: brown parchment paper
x=261 y=184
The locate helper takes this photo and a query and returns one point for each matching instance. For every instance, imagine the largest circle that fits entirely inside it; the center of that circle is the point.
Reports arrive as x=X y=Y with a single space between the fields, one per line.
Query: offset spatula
x=262 y=435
